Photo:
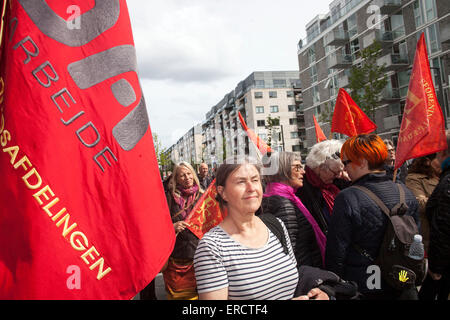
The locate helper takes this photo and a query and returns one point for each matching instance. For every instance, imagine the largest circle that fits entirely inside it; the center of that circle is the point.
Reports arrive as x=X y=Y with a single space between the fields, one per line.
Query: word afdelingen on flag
x=50 y=205
x=80 y=179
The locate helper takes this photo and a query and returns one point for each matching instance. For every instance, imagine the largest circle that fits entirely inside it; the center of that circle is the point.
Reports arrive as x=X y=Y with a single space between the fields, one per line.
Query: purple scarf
x=283 y=190
x=186 y=199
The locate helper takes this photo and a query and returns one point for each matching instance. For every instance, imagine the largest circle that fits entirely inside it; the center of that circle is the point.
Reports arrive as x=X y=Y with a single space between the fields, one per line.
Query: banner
x=206 y=214
x=422 y=131
x=348 y=118
x=320 y=136
x=257 y=141
x=83 y=213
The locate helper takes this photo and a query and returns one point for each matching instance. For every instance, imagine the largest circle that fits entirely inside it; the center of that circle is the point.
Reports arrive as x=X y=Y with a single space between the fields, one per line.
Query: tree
x=270 y=124
x=161 y=154
x=367 y=80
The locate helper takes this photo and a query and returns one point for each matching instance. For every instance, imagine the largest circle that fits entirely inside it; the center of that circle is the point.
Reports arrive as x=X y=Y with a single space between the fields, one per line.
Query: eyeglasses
x=346 y=162
x=298 y=167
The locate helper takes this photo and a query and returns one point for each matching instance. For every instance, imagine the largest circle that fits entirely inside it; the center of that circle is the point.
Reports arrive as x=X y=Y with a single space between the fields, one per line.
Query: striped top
x=266 y=273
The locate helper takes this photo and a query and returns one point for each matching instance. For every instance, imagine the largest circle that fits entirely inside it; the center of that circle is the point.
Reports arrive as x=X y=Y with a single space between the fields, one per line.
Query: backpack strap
x=376 y=199
x=277 y=229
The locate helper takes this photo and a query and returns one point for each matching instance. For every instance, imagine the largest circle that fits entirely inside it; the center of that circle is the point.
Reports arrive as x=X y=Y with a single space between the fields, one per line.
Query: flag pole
x=395 y=175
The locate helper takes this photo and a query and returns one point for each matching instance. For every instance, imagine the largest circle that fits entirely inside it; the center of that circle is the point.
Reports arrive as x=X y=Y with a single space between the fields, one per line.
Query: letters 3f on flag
x=77 y=156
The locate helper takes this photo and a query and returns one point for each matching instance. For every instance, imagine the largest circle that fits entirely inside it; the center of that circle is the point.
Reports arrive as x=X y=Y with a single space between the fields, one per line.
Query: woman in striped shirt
x=241 y=258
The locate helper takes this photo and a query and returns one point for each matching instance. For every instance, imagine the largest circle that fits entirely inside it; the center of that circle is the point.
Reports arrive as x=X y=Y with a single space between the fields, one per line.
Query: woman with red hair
x=357 y=224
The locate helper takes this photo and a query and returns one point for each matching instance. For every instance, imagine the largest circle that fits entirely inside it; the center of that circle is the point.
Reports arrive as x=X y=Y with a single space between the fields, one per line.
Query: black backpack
x=311 y=277
x=397 y=268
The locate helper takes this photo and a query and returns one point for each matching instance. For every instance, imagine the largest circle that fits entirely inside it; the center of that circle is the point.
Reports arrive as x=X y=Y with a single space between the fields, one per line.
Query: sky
x=191 y=53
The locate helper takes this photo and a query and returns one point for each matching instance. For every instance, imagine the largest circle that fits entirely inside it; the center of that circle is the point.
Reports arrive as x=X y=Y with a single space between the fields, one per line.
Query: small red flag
x=259 y=143
x=320 y=136
x=206 y=214
x=348 y=118
x=423 y=129
x=83 y=213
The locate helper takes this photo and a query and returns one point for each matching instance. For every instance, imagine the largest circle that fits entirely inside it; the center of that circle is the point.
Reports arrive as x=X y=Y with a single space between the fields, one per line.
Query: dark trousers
x=149 y=292
x=435 y=289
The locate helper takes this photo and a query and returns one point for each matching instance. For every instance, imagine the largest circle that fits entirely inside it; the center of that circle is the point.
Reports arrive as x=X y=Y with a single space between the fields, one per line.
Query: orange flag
x=259 y=143
x=320 y=136
x=423 y=130
x=348 y=118
x=206 y=214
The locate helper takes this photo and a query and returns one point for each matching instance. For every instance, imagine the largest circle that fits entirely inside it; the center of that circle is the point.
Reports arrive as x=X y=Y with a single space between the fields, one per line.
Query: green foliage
x=270 y=124
x=367 y=80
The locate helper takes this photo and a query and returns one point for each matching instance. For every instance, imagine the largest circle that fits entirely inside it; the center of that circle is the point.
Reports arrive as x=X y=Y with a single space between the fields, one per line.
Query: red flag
x=320 y=136
x=423 y=130
x=206 y=214
x=348 y=118
x=259 y=143
x=83 y=213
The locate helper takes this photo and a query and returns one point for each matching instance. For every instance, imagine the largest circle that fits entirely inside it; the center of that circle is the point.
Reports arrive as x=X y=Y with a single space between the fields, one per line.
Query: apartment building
x=262 y=94
x=334 y=41
x=189 y=147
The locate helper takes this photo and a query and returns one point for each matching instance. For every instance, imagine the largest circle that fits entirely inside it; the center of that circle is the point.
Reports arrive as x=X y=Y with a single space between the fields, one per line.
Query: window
x=397 y=26
x=272 y=94
x=316 y=95
x=294 y=135
x=296 y=148
x=311 y=55
x=403 y=83
x=352 y=26
x=259 y=109
x=291 y=107
x=354 y=49
x=313 y=73
x=274 y=109
x=424 y=11
x=258 y=95
x=259 y=83
x=293 y=121
x=262 y=136
x=290 y=94
x=277 y=83
x=260 y=123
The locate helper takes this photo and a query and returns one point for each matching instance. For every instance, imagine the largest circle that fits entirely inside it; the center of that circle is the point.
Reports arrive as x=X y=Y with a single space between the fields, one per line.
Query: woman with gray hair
x=323 y=166
x=307 y=239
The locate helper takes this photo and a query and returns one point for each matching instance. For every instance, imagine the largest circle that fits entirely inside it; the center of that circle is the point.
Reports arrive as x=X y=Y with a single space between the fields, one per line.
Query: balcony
x=385 y=38
x=339 y=61
x=388 y=6
x=392 y=122
x=445 y=32
x=390 y=95
x=336 y=38
x=394 y=61
x=343 y=81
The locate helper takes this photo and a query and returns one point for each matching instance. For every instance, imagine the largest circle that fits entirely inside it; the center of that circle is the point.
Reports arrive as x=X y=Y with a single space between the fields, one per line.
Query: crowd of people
x=318 y=218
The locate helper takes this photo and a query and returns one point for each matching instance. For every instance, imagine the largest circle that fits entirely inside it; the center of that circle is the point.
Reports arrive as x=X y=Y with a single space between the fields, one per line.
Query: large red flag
x=320 y=136
x=206 y=214
x=348 y=118
x=259 y=143
x=83 y=213
x=423 y=130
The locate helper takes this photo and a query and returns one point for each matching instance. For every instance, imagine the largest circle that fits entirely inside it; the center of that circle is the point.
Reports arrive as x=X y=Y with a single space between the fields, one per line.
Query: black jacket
x=300 y=231
x=186 y=242
x=438 y=213
x=313 y=200
x=356 y=219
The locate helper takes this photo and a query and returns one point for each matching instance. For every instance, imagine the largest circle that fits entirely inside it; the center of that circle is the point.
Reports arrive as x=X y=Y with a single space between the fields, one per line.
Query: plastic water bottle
x=416 y=250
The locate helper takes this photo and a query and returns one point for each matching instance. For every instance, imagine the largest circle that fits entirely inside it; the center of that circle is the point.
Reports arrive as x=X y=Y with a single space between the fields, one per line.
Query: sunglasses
x=346 y=162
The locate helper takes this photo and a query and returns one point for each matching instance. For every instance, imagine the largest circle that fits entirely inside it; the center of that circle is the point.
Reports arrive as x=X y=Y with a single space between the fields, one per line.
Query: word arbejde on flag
x=80 y=182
